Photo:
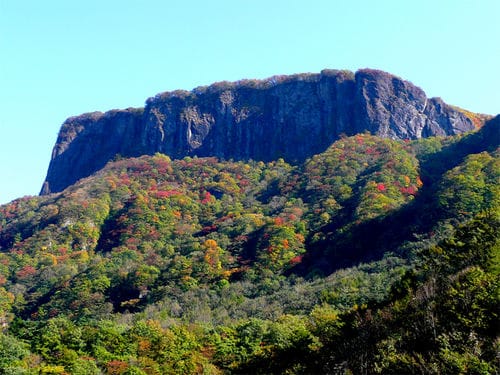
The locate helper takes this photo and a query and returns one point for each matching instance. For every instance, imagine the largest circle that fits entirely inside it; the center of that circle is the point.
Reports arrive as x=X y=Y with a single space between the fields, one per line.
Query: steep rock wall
x=290 y=117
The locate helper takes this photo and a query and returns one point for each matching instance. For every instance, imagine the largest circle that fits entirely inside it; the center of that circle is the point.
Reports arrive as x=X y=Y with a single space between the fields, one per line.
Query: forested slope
x=375 y=256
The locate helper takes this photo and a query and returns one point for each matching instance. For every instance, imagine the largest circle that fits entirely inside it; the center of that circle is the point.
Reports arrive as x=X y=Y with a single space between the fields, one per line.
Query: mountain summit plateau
x=290 y=117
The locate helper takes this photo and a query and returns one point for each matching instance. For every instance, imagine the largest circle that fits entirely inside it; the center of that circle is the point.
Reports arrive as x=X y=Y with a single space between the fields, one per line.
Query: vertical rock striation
x=290 y=117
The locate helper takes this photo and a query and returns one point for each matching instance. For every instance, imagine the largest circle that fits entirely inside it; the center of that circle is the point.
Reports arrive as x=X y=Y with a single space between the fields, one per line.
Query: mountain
x=374 y=256
x=311 y=224
x=290 y=117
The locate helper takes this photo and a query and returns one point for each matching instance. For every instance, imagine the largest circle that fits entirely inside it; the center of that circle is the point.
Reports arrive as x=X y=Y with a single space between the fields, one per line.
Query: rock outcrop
x=290 y=117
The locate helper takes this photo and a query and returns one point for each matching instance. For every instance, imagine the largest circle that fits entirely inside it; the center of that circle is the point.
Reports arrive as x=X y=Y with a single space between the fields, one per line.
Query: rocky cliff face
x=292 y=117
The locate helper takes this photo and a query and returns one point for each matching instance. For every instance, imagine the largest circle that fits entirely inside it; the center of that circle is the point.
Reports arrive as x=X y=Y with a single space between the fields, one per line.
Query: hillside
x=290 y=117
x=372 y=256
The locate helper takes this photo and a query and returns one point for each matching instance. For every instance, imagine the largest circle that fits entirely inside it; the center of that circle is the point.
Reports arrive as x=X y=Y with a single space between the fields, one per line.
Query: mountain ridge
x=292 y=117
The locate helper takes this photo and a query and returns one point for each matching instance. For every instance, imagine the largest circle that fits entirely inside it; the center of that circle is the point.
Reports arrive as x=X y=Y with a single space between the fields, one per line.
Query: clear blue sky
x=60 y=58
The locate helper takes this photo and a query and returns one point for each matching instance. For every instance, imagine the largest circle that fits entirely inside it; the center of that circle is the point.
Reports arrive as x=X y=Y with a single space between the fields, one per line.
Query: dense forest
x=374 y=257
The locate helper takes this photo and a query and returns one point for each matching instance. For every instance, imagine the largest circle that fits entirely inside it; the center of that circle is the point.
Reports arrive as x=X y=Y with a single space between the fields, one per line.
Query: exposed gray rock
x=87 y=142
x=290 y=117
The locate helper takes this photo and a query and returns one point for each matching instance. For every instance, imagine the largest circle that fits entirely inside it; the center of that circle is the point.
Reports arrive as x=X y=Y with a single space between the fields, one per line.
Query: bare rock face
x=290 y=117
x=86 y=143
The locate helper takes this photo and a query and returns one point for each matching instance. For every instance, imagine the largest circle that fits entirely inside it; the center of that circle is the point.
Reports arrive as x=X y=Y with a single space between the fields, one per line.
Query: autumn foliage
x=363 y=259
